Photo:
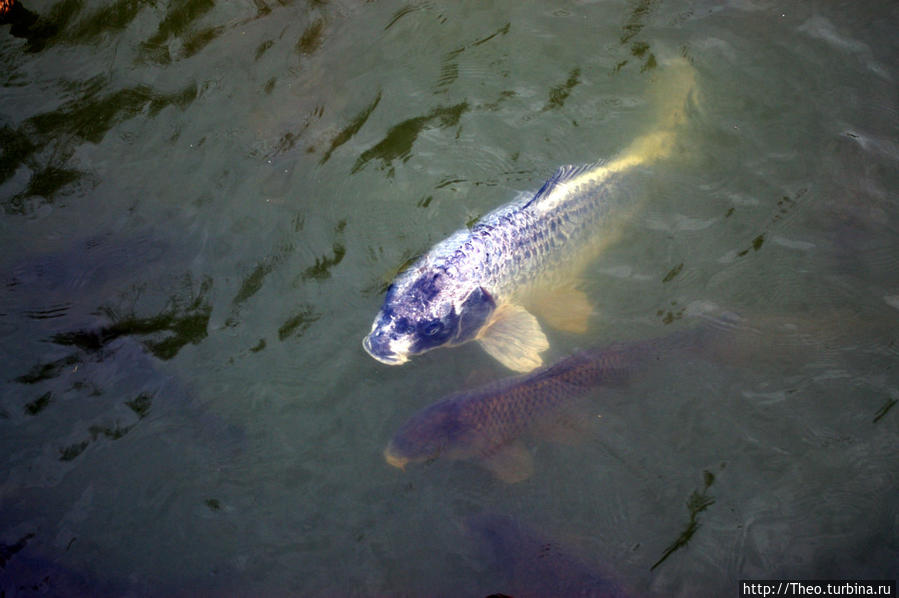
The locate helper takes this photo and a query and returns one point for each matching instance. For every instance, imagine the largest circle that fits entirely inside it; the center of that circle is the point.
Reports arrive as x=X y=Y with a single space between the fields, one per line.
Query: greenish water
x=202 y=204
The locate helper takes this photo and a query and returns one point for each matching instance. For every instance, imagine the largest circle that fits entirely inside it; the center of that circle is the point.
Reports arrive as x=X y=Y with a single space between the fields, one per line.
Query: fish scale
x=515 y=246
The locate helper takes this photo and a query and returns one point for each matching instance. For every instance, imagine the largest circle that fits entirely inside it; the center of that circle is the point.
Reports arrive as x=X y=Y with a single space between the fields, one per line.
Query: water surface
x=203 y=202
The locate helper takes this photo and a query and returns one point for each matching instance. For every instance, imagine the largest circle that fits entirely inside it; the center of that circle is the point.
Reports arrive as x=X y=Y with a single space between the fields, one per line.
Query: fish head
x=430 y=433
x=424 y=309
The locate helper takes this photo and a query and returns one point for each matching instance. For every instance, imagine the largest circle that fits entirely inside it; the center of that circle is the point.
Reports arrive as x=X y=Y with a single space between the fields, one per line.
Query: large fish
x=531 y=564
x=481 y=284
x=486 y=425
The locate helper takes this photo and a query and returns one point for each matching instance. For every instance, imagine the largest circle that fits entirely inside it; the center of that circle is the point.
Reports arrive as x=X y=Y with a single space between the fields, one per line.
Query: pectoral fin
x=514 y=338
x=511 y=463
x=564 y=308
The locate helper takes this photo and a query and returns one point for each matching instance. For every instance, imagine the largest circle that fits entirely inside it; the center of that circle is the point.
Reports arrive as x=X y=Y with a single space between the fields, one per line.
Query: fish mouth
x=389 y=358
x=394 y=460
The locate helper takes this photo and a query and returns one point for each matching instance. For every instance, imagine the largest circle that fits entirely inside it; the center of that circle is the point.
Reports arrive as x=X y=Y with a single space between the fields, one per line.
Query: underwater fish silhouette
x=481 y=284
x=486 y=425
x=530 y=564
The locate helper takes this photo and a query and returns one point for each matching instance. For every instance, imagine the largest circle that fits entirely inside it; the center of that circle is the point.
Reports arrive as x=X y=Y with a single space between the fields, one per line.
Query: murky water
x=203 y=204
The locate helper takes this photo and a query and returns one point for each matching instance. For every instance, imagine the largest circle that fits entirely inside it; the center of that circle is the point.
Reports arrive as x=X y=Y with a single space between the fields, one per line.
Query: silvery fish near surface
x=481 y=284
x=486 y=425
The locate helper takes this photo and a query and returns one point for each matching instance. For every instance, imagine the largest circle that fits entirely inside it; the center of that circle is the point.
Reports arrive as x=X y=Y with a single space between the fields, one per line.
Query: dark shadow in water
x=297 y=324
x=88 y=266
x=176 y=325
x=632 y=27
x=401 y=137
x=321 y=270
x=19 y=18
x=406 y=10
x=73 y=296
x=15 y=148
x=35 y=30
x=67 y=299
x=118 y=388
x=45 y=142
x=47 y=371
x=23 y=573
x=351 y=129
x=91 y=116
x=312 y=37
x=558 y=94
x=46 y=183
x=98 y=386
x=127 y=375
x=261 y=50
x=636 y=20
x=61 y=25
x=696 y=504
x=197 y=40
x=397 y=144
x=889 y=404
x=784 y=209
x=180 y=16
x=111 y=18
x=528 y=563
x=85 y=119
x=305 y=315
x=254 y=280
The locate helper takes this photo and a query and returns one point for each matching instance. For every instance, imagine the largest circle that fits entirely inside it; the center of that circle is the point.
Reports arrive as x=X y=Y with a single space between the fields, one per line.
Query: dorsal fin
x=562 y=175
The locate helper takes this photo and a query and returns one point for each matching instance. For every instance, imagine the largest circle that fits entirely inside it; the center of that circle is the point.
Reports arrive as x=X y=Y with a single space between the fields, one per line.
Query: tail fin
x=671 y=93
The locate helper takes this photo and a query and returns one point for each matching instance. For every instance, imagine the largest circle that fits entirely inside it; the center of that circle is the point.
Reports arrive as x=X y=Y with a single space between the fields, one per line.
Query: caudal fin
x=671 y=92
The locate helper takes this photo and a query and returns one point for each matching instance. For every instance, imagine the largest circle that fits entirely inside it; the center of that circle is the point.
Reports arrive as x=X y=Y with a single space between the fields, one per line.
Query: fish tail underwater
x=674 y=94
x=671 y=97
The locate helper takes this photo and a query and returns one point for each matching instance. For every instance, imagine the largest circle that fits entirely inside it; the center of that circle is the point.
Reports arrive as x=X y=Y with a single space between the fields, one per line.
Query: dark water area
x=202 y=204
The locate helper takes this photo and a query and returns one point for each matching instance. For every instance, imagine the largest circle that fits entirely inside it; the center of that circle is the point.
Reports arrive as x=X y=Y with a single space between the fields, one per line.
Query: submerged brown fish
x=486 y=424
x=530 y=564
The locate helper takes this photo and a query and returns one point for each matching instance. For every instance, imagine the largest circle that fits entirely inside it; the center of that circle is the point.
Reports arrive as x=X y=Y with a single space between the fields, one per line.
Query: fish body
x=531 y=564
x=486 y=424
x=476 y=280
x=482 y=284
